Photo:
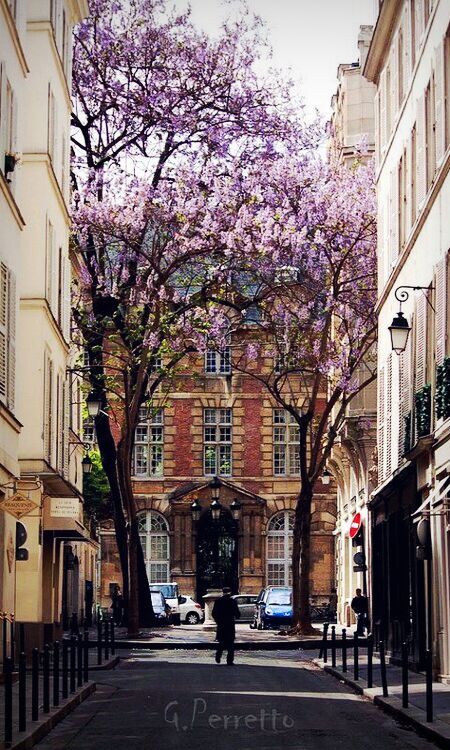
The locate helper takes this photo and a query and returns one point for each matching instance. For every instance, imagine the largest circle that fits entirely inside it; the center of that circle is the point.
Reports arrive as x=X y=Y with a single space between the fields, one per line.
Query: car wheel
x=192 y=618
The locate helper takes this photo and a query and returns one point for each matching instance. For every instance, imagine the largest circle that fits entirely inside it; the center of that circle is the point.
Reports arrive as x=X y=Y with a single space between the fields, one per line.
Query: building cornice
x=11 y=201
x=14 y=36
x=43 y=158
x=47 y=27
x=38 y=303
x=80 y=10
x=381 y=38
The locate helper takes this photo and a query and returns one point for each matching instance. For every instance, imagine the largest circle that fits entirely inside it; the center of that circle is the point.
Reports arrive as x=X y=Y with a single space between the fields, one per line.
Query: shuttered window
x=439 y=98
x=420 y=342
x=383 y=124
x=446 y=76
x=8 y=302
x=404 y=400
x=393 y=217
x=430 y=134
x=420 y=153
x=412 y=176
x=48 y=409
x=440 y=306
x=377 y=129
x=381 y=424
x=390 y=458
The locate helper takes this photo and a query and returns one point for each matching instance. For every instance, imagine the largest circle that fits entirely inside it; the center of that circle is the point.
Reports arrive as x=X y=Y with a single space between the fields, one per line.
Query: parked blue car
x=274 y=607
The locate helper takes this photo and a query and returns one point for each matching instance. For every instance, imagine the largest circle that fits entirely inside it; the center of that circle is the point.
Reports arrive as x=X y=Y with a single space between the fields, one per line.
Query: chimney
x=364 y=39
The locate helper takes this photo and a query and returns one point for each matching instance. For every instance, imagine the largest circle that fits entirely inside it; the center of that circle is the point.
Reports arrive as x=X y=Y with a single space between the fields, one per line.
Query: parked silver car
x=246 y=605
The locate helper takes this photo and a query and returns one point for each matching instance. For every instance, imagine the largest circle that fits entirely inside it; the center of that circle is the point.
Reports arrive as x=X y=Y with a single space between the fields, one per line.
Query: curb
x=438 y=731
x=111 y=664
x=56 y=716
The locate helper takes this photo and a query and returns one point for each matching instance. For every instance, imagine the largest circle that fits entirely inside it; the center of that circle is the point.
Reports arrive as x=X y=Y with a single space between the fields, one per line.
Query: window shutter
x=2 y=114
x=440 y=305
x=393 y=218
x=406 y=29
x=383 y=111
x=439 y=95
x=421 y=152
x=394 y=80
x=12 y=302
x=405 y=397
x=421 y=330
x=420 y=25
x=381 y=248
x=388 y=417
x=65 y=442
x=3 y=332
x=67 y=309
x=377 y=129
x=381 y=424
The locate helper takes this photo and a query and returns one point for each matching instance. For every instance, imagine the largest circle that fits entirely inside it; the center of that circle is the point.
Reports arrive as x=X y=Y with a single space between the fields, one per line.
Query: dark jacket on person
x=225 y=612
x=359 y=605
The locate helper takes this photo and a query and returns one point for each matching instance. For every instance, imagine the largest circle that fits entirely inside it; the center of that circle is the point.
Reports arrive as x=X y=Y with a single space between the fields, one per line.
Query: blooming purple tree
x=301 y=239
x=161 y=112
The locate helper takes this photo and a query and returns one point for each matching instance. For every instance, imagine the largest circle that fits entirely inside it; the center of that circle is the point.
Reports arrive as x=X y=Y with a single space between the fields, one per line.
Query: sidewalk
x=415 y=715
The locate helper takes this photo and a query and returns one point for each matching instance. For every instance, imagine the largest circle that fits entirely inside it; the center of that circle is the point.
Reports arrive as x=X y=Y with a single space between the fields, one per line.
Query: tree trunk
x=140 y=609
x=301 y=562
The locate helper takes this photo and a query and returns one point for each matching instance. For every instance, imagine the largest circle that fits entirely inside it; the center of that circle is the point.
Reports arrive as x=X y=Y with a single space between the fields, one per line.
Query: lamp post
x=400 y=328
x=235 y=508
x=216 y=507
x=86 y=464
x=196 y=509
x=326 y=476
x=93 y=404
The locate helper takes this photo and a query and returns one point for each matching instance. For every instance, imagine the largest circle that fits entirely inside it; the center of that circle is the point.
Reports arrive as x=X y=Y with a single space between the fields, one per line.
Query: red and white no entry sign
x=355 y=525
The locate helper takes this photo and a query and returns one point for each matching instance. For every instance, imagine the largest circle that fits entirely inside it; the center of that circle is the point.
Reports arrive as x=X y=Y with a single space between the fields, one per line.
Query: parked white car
x=191 y=612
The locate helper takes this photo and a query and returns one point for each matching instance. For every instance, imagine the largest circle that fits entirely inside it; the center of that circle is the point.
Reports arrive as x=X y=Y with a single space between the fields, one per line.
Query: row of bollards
x=56 y=671
x=383 y=672
x=106 y=642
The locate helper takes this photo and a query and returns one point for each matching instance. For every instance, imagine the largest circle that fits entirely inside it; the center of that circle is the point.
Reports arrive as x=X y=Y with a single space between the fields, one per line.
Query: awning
x=438 y=494
x=67 y=528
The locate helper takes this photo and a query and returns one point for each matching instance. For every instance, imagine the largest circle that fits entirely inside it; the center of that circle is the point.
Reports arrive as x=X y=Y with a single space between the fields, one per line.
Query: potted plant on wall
x=12 y=159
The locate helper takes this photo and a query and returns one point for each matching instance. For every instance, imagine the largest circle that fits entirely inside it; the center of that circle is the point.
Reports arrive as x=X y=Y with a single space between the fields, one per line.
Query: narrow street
x=173 y=699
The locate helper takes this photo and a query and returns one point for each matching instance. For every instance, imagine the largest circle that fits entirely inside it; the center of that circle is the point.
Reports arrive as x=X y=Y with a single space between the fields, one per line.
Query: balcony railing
x=443 y=389
x=423 y=411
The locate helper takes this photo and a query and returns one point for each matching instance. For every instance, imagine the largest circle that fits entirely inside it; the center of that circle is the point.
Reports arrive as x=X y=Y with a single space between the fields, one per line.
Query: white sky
x=310 y=37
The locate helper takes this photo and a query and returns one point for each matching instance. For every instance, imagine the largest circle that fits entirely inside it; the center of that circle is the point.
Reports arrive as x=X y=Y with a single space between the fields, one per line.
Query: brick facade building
x=216 y=421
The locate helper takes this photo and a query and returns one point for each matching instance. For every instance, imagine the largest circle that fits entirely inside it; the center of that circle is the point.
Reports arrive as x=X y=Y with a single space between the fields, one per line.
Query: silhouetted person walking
x=225 y=612
x=360 y=607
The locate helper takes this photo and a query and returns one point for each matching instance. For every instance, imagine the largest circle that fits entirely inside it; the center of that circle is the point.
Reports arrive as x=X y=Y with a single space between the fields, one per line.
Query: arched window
x=154 y=535
x=280 y=531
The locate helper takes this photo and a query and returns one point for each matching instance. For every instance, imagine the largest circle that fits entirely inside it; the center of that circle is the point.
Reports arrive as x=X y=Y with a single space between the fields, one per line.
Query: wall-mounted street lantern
x=196 y=509
x=93 y=404
x=235 y=508
x=326 y=476
x=86 y=464
x=216 y=509
x=400 y=328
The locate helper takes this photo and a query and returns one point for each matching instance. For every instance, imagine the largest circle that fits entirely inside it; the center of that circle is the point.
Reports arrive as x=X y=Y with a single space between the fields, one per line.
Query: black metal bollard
x=356 y=656
x=46 y=682
x=344 y=649
x=404 y=675
x=86 y=656
x=429 y=684
x=113 y=639
x=21 y=637
x=106 y=640
x=11 y=640
x=324 y=647
x=333 y=646
x=99 y=642
x=73 y=642
x=74 y=624
x=8 y=670
x=65 y=668
x=79 y=661
x=4 y=640
x=56 y=673
x=35 y=684
x=22 y=692
x=383 y=669
x=370 y=660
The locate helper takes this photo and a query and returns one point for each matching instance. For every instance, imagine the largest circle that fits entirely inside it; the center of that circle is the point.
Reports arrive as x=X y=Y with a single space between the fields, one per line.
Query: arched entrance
x=217 y=553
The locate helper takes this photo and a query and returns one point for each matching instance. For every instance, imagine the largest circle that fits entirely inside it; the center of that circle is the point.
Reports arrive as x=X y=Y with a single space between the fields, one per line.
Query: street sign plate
x=18 y=505
x=355 y=525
